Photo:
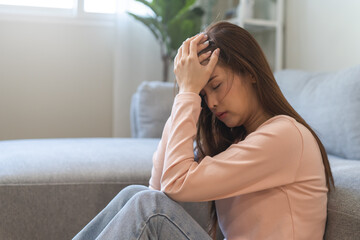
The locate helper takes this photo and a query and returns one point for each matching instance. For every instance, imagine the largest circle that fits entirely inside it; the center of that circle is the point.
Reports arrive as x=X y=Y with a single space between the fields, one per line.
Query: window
x=80 y=8
x=100 y=6
x=67 y=4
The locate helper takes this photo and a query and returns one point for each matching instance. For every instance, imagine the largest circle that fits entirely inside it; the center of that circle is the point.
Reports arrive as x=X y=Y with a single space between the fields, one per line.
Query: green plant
x=172 y=22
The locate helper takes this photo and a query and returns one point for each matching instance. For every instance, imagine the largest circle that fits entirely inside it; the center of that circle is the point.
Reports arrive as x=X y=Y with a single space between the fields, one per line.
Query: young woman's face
x=232 y=98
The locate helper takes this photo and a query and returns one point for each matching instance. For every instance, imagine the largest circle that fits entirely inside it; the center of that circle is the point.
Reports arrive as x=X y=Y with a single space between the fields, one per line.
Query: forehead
x=219 y=70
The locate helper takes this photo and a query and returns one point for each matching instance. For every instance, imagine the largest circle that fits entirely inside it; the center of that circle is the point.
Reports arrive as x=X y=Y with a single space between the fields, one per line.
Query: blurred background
x=68 y=68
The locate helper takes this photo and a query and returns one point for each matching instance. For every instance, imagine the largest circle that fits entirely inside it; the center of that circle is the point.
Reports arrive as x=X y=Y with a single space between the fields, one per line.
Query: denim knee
x=155 y=200
x=126 y=194
x=131 y=190
x=150 y=195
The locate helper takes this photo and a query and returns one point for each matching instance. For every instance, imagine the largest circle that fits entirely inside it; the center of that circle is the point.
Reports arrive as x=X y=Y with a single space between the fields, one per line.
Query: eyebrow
x=209 y=81
x=212 y=78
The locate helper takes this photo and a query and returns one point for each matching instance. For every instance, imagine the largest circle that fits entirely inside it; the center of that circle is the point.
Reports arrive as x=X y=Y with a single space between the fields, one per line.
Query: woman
x=257 y=160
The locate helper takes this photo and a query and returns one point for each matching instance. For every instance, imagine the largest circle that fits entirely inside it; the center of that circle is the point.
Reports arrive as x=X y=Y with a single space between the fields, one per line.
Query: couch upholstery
x=330 y=103
x=50 y=188
x=344 y=203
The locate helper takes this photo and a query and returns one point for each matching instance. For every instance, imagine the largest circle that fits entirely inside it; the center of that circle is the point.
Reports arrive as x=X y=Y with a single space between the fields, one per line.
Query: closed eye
x=214 y=88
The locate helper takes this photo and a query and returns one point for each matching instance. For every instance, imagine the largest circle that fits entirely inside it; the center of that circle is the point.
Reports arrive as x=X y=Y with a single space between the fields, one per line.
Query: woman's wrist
x=193 y=90
x=188 y=96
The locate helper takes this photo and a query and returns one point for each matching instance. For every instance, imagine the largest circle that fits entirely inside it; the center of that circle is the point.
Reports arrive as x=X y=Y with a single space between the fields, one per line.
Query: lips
x=220 y=115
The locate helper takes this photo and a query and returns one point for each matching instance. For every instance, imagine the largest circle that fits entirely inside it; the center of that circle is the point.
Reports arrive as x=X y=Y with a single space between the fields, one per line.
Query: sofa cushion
x=78 y=160
x=150 y=108
x=330 y=103
x=51 y=188
x=344 y=205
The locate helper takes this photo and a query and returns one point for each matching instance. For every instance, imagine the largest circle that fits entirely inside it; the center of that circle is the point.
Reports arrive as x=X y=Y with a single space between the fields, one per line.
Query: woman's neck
x=255 y=121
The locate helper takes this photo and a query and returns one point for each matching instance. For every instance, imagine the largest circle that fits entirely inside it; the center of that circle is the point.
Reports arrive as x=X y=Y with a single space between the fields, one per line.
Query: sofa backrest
x=330 y=103
x=150 y=108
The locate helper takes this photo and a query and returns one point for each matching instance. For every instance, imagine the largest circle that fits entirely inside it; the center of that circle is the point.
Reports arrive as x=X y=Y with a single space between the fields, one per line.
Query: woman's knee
x=128 y=192
x=133 y=189
x=151 y=195
x=155 y=200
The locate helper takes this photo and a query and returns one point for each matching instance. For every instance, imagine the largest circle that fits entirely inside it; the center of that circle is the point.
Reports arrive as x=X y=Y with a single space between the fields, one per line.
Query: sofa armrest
x=51 y=188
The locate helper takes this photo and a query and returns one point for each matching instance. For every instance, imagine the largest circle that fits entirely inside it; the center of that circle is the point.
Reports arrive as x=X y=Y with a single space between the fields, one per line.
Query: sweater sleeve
x=267 y=158
x=158 y=159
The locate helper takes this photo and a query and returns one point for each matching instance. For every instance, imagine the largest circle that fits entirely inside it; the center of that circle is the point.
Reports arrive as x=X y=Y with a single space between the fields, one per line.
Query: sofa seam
x=69 y=183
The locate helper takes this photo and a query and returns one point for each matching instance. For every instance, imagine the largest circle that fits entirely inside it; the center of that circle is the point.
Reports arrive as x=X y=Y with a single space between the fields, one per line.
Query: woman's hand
x=191 y=74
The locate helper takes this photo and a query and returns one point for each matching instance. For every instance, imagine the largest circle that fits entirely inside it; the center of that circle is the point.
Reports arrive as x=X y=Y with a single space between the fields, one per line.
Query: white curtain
x=137 y=59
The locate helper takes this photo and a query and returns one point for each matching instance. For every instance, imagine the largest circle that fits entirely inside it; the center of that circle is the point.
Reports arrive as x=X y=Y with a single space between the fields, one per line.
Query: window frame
x=76 y=14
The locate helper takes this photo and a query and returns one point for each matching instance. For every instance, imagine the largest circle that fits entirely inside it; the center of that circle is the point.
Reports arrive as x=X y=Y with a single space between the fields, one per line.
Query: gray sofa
x=50 y=188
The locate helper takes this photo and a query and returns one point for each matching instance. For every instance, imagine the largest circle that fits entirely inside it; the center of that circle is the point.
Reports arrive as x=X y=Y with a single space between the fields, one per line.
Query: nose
x=211 y=102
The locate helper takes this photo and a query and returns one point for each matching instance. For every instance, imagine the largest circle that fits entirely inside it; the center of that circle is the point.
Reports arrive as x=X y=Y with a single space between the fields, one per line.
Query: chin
x=230 y=124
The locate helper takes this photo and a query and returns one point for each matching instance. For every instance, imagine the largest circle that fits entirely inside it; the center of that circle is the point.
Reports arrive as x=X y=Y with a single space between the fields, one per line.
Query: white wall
x=322 y=35
x=61 y=78
x=137 y=59
x=56 y=79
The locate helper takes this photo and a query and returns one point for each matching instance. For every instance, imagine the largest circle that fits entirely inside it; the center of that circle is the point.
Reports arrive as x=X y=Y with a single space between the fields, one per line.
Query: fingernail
x=209 y=52
x=206 y=43
x=217 y=51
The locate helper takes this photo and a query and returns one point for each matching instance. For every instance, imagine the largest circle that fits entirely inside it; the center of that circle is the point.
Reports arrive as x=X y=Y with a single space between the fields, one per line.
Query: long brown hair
x=240 y=52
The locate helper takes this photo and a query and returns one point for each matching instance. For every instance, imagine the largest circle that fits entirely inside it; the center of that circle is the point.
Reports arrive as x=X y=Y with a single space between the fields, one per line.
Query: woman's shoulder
x=280 y=128
x=278 y=137
x=279 y=123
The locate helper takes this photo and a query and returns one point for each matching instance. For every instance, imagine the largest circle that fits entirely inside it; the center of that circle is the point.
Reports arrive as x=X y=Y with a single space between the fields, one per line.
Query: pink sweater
x=269 y=186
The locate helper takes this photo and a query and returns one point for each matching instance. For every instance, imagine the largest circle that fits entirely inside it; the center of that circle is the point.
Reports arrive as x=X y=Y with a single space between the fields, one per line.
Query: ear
x=253 y=80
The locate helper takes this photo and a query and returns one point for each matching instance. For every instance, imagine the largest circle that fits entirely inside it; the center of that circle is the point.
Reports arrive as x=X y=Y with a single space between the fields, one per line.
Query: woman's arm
x=197 y=45
x=267 y=158
x=158 y=159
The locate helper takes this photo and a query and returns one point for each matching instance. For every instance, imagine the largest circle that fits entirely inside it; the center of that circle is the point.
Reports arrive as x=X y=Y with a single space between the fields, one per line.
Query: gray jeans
x=140 y=213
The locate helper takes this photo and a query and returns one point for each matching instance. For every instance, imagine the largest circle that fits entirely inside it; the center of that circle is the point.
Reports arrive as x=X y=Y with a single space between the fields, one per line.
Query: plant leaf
x=183 y=10
x=186 y=25
x=170 y=8
x=174 y=21
x=151 y=23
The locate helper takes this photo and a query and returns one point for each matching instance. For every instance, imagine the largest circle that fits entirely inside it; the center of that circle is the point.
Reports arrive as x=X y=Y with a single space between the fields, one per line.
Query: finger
x=203 y=39
x=202 y=46
x=195 y=42
x=205 y=62
x=186 y=43
x=213 y=60
x=195 y=36
x=178 y=56
x=204 y=56
x=185 y=47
